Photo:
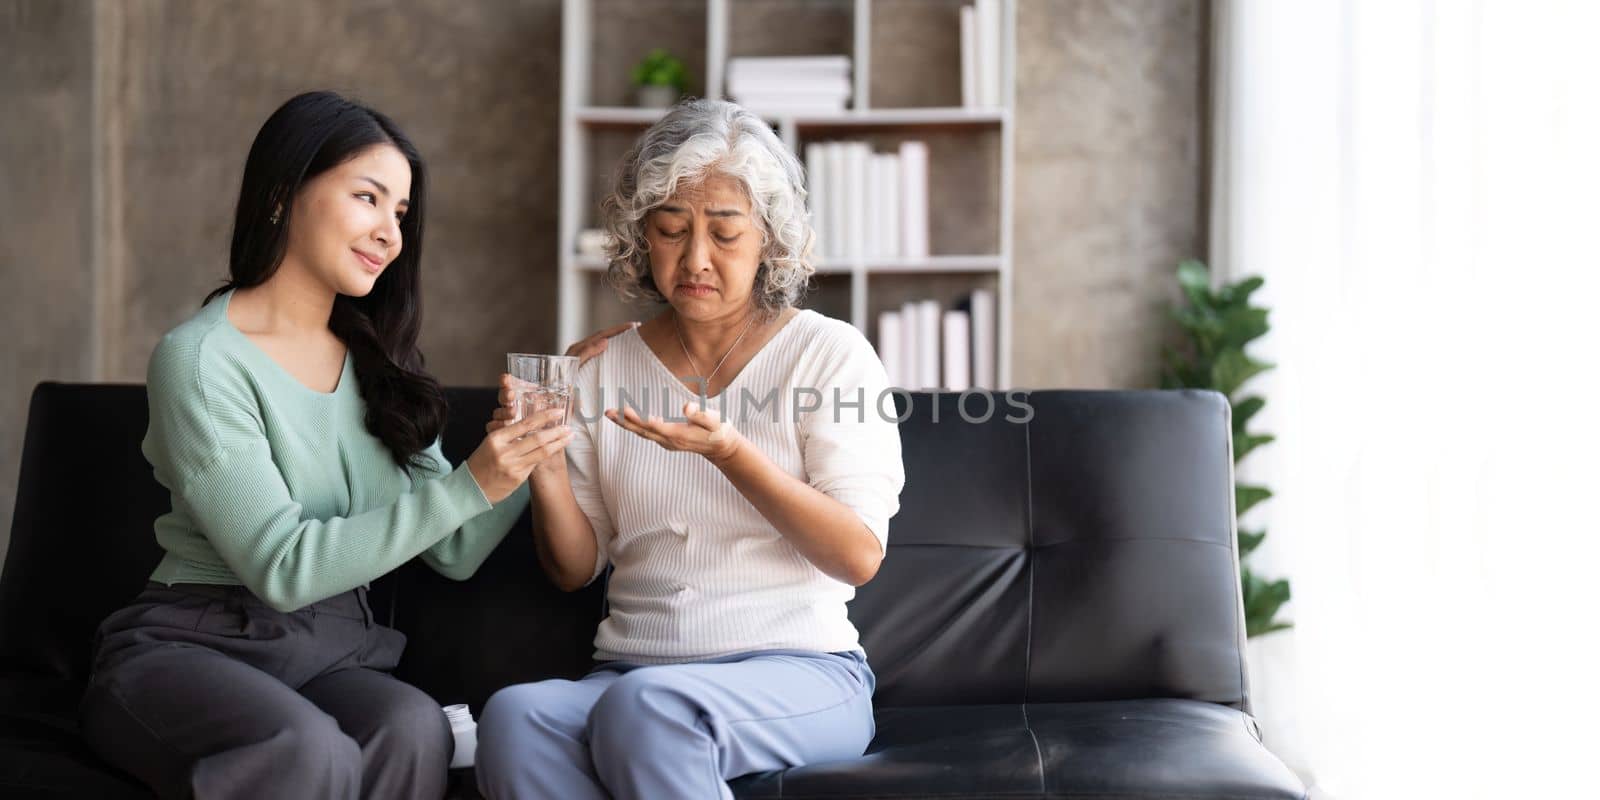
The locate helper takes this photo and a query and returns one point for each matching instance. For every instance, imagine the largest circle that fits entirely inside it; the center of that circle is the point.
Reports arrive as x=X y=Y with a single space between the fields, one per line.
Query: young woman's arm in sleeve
x=208 y=445
x=459 y=555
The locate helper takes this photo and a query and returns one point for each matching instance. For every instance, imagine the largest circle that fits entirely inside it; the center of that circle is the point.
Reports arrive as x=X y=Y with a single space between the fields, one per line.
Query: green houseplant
x=660 y=79
x=1217 y=323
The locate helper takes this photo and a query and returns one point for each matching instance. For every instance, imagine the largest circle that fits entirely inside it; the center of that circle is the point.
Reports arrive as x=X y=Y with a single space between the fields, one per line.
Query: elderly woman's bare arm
x=827 y=532
x=562 y=534
x=564 y=538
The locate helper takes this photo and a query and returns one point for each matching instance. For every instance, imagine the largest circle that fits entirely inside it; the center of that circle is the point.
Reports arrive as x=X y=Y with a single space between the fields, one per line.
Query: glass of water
x=545 y=382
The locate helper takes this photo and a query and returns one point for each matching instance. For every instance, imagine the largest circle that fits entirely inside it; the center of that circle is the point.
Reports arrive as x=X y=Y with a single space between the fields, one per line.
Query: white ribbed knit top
x=697 y=571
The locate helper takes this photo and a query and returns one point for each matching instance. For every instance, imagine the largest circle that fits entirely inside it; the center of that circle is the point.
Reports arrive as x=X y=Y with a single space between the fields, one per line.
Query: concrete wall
x=1111 y=121
x=46 y=212
x=473 y=83
x=122 y=166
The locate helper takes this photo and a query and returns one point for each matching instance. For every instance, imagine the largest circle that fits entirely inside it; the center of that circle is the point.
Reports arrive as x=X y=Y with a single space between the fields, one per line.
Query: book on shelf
x=957 y=348
x=872 y=208
x=892 y=205
x=981 y=307
x=924 y=346
x=910 y=366
x=839 y=207
x=856 y=154
x=756 y=67
x=791 y=85
x=969 y=57
x=767 y=106
x=816 y=195
x=889 y=344
x=822 y=88
x=913 y=199
x=980 y=55
x=867 y=205
x=592 y=242
x=928 y=344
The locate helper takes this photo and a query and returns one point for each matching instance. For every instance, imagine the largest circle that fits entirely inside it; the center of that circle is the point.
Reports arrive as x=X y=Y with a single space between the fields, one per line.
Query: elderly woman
x=739 y=496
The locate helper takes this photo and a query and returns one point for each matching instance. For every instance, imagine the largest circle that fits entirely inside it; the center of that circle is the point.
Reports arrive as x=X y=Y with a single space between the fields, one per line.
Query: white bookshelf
x=952 y=264
x=582 y=119
x=877 y=117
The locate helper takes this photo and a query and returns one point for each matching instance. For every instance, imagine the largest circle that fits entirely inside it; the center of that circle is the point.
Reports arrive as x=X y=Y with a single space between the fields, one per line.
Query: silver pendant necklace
x=718 y=368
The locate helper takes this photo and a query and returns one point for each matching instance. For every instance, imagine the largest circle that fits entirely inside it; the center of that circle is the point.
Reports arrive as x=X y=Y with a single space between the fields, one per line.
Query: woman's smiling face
x=345 y=227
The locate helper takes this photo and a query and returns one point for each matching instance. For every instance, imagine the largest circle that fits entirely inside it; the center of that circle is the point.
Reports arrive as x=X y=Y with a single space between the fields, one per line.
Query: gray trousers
x=204 y=691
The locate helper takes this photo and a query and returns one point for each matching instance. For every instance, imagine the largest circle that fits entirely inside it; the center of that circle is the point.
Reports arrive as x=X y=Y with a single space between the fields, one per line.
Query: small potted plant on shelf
x=660 y=79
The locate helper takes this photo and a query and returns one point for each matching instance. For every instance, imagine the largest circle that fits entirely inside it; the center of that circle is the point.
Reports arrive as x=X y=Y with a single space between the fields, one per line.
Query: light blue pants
x=675 y=731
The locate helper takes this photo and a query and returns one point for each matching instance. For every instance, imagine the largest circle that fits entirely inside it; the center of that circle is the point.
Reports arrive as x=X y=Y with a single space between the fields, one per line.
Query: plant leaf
x=1180 y=372
x=1243 y=409
x=1240 y=292
x=1246 y=497
x=1203 y=327
x=1249 y=541
x=1243 y=443
x=1261 y=603
x=1232 y=368
x=1256 y=627
x=1238 y=326
x=1195 y=279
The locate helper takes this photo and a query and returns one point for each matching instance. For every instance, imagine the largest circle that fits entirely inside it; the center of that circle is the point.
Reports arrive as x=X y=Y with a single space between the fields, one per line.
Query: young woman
x=296 y=428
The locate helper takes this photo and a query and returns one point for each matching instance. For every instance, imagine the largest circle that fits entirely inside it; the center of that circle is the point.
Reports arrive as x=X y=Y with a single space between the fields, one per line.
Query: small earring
x=277 y=214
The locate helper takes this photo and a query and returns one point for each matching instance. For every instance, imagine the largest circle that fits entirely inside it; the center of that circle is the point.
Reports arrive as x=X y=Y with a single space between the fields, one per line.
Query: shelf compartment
x=624 y=116
x=942 y=264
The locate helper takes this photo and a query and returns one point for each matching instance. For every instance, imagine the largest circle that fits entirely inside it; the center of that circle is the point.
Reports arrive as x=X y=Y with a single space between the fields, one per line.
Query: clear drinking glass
x=546 y=383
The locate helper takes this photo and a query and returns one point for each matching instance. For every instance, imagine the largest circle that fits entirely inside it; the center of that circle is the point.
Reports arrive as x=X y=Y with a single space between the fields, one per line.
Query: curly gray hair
x=695 y=140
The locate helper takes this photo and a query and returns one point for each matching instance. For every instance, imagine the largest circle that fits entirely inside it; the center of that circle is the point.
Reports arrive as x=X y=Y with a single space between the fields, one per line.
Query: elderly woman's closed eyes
x=732 y=466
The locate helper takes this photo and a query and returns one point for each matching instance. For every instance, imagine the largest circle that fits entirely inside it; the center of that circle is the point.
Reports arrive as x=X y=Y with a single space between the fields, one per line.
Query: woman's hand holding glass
x=517 y=394
x=551 y=423
x=511 y=451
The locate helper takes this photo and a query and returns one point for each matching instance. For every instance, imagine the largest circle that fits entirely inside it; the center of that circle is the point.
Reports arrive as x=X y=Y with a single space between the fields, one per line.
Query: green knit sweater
x=282 y=489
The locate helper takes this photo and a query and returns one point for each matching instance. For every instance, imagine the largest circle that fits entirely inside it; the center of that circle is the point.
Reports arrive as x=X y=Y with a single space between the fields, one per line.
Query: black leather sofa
x=1058 y=616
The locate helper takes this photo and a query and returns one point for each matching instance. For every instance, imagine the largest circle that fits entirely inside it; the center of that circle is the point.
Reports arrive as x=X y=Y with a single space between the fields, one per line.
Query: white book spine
x=969 y=58
x=790 y=86
x=783 y=107
x=914 y=199
x=910 y=346
x=891 y=206
x=815 y=194
x=836 y=205
x=856 y=225
x=890 y=346
x=957 y=351
x=873 y=218
x=789 y=65
x=928 y=343
x=983 y=338
x=888 y=244
x=988 y=24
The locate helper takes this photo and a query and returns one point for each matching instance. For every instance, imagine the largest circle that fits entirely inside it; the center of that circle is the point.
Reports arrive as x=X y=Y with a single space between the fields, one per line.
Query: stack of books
x=980 y=55
x=868 y=205
x=924 y=346
x=790 y=85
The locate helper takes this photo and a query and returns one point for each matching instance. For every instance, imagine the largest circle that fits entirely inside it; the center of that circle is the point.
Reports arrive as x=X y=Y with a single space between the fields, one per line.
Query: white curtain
x=1419 y=184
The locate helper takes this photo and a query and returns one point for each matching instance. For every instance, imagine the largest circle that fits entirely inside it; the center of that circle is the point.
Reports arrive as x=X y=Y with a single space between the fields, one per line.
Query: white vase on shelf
x=657 y=96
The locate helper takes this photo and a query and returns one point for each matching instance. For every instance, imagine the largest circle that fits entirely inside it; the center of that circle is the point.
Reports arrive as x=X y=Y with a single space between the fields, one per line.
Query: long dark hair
x=306 y=136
